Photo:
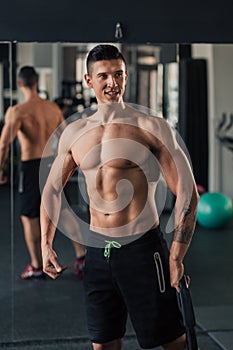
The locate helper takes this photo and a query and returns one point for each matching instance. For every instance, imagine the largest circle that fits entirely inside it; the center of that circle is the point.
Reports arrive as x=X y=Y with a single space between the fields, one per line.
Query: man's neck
x=30 y=94
x=107 y=112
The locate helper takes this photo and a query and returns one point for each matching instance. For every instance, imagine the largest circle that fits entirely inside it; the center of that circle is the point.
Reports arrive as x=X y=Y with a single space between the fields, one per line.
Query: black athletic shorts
x=134 y=280
x=30 y=180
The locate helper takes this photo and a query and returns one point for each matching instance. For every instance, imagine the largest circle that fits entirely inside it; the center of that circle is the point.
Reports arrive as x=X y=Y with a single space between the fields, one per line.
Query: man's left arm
x=183 y=232
x=9 y=132
x=179 y=177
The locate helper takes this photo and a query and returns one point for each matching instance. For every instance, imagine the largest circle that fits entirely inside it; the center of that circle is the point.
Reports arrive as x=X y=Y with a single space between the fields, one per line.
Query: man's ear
x=19 y=83
x=88 y=80
x=126 y=76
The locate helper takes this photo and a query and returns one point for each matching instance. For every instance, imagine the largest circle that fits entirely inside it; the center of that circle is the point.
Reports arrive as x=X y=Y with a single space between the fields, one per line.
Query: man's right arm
x=61 y=171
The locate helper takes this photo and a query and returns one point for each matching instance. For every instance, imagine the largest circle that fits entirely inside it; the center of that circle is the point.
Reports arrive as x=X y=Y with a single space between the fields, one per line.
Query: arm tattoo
x=186 y=212
x=183 y=235
x=183 y=232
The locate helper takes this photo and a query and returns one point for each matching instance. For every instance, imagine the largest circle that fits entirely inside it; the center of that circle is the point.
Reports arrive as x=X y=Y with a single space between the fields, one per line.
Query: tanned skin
x=104 y=146
x=32 y=122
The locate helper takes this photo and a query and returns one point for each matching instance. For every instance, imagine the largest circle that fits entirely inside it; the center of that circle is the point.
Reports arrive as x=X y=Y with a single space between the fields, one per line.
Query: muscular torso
x=38 y=120
x=121 y=176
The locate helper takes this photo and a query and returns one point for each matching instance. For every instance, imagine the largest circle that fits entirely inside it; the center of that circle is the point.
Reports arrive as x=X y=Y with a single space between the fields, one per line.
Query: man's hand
x=3 y=178
x=176 y=273
x=50 y=263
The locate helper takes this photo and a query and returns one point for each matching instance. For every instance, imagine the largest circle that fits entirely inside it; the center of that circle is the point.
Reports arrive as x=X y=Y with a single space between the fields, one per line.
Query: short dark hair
x=103 y=52
x=28 y=76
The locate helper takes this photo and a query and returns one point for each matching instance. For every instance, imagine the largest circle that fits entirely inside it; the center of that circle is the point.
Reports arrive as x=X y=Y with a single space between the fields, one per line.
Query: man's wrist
x=46 y=244
x=175 y=258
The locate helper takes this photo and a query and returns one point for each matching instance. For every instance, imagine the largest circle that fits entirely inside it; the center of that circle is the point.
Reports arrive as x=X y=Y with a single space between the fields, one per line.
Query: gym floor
x=47 y=314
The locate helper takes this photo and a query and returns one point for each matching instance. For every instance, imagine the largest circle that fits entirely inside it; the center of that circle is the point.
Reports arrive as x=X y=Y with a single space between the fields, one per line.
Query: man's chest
x=117 y=146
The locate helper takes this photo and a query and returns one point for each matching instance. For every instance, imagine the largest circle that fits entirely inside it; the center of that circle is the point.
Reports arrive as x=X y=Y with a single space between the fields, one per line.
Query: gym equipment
x=224 y=131
x=215 y=210
x=187 y=311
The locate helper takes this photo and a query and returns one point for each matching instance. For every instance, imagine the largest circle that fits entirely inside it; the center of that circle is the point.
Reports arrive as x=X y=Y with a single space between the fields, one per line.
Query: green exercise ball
x=215 y=210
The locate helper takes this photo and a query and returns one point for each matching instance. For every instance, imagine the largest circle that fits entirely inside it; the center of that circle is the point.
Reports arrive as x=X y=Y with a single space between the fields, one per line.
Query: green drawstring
x=109 y=245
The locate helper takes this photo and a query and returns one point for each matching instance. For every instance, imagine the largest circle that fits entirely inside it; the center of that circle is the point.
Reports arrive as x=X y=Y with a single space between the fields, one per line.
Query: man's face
x=108 y=79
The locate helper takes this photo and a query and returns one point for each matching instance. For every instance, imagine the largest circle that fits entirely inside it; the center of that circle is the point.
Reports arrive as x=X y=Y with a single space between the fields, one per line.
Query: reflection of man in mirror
x=33 y=122
x=123 y=153
x=3 y=172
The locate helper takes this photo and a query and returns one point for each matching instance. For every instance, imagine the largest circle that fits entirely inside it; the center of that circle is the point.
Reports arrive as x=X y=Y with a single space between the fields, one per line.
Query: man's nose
x=111 y=81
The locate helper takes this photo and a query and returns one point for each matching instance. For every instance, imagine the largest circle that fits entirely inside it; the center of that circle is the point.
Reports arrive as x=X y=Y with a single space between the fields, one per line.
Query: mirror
x=6 y=199
x=50 y=310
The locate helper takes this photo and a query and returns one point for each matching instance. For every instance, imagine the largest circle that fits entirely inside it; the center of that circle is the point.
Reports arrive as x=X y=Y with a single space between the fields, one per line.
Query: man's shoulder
x=20 y=108
x=155 y=129
x=19 y=112
x=151 y=122
x=50 y=104
x=13 y=112
x=75 y=127
x=144 y=114
x=72 y=132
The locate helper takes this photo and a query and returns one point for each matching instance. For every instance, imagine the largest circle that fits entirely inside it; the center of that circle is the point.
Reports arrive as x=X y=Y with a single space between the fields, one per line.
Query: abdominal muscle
x=121 y=201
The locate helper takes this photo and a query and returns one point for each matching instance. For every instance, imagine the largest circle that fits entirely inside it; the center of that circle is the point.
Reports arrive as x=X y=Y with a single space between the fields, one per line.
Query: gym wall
x=147 y=21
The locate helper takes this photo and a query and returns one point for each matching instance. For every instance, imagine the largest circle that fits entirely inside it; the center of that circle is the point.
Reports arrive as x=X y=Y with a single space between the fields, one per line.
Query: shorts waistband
x=154 y=233
x=37 y=160
x=97 y=240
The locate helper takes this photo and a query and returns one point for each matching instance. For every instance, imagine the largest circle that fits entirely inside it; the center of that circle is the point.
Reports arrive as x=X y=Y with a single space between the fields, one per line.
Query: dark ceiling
x=155 y=21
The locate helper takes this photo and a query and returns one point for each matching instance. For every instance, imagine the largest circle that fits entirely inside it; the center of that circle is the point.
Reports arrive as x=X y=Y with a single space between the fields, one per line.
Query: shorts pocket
x=160 y=273
x=21 y=178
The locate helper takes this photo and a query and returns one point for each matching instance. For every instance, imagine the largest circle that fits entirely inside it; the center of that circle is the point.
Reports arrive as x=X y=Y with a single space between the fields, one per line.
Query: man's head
x=28 y=77
x=106 y=73
x=101 y=53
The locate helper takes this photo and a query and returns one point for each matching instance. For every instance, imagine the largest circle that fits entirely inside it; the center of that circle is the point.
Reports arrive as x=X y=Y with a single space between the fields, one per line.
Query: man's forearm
x=47 y=229
x=4 y=151
x=49 y=215
x=184 y=231
x=184 y=228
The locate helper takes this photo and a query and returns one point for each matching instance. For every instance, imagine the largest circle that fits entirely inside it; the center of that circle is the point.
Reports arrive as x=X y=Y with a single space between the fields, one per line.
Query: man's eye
x=103 y=76
x=119 y=75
